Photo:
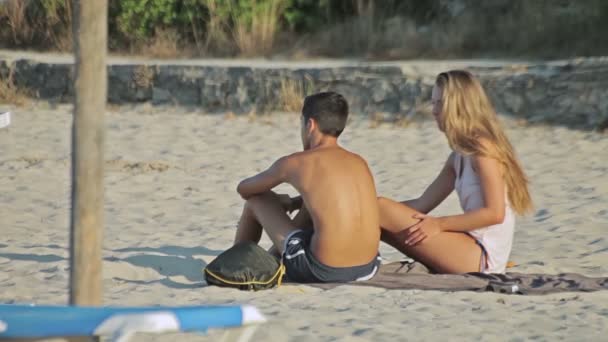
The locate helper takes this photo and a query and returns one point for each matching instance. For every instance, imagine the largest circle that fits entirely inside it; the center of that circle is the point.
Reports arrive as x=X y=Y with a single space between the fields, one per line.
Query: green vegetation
x=380 y=29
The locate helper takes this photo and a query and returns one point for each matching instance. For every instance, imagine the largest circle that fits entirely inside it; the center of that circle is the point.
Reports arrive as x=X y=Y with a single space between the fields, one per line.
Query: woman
x=487 y=177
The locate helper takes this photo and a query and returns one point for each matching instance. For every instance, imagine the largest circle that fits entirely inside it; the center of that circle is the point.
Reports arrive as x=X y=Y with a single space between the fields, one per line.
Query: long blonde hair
x=468 y=116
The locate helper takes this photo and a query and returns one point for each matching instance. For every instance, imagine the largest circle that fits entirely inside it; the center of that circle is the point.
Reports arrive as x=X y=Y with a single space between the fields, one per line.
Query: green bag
x=245 y=266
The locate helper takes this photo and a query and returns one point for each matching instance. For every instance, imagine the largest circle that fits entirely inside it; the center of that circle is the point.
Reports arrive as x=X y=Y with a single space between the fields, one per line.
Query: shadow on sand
x=171 y=262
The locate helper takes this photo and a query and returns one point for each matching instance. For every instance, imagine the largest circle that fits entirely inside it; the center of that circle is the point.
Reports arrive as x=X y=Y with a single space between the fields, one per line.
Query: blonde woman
x=487 y=177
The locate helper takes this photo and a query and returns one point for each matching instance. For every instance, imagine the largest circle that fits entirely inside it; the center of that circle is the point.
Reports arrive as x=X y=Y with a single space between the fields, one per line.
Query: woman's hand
x=428 y=227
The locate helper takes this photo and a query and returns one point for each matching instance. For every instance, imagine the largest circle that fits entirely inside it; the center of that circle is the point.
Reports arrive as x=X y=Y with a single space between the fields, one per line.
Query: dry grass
x=258 y=36
x=419 y=110
x=366 y=35
x=375 y=120
x=235 y=33
x=164 y=44
x=293 y=93
x=14 y=13
x=217 y=37
x=12 y=94
x=505 y=29
x=58 y=26
x=370 y=33
x=20 y=28
x=229 y=116
x=143 y=76
x=521 y=28
x=113 y=108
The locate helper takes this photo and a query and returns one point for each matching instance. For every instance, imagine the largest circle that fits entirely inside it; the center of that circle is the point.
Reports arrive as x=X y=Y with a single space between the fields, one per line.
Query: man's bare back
x=339 y=193
x=336 y=233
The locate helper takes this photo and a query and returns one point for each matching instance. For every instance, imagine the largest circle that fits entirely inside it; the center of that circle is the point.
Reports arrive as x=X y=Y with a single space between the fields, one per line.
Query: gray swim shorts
x=302 y=266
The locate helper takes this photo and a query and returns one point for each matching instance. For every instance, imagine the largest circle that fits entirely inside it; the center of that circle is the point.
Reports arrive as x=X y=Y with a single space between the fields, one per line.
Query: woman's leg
x=446 y=252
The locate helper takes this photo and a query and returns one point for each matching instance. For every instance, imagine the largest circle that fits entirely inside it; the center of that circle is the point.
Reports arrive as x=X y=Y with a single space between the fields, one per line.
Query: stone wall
x=573 y=93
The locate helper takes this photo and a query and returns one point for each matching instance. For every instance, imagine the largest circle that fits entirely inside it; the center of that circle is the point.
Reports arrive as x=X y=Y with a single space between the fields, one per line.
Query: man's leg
x=248 y=228
x=274 y=251
x=265 y=211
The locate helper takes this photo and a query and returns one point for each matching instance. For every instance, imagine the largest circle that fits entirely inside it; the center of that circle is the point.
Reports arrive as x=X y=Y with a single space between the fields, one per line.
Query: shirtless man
x=335 y=235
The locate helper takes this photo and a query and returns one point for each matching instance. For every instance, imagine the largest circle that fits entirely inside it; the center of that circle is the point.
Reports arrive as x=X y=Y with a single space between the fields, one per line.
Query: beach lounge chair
x=120 y=323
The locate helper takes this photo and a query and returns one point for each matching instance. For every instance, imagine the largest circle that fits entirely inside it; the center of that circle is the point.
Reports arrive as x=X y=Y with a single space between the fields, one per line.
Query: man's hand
x=290 y=204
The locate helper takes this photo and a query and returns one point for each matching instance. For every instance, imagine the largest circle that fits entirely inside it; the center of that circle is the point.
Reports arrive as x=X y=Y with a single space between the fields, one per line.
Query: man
x=335 y=235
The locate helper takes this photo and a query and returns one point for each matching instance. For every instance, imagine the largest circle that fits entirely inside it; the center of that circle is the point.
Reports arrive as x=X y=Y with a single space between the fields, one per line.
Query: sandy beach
x=171 y=207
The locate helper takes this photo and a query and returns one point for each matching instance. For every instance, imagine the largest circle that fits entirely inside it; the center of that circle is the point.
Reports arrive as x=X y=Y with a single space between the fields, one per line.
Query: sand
x=171 y=207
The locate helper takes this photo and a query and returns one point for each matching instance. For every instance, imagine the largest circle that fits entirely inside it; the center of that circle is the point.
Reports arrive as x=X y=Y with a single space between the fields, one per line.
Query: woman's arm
x=493 y=191
x=492 y=212
x=441 y=188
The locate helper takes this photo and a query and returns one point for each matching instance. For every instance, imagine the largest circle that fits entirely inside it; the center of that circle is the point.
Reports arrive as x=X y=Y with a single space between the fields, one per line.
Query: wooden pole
x=90 y=26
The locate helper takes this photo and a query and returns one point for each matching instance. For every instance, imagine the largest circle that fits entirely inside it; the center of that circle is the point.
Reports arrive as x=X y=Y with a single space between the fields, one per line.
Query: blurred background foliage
x=299 y=29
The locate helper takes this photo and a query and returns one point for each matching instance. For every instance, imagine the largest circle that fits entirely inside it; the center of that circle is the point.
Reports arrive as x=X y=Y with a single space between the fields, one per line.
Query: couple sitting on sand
x=335 y=235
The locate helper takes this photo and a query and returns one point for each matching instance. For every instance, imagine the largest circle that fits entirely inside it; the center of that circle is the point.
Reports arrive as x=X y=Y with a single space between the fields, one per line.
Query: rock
x=160 y=96
x=573 y=96
x=513 y=102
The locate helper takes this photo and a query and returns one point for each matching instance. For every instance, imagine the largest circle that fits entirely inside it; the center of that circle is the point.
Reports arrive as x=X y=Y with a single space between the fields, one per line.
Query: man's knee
x=268 y=195
x=260 y=199
x=274 y=251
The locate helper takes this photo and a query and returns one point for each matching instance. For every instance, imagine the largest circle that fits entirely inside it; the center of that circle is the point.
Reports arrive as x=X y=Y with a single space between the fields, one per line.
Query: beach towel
x=406 y=275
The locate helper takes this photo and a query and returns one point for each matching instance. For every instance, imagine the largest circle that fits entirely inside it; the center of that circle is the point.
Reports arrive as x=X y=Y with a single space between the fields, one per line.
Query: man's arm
x=265 y=180
x=302 y=219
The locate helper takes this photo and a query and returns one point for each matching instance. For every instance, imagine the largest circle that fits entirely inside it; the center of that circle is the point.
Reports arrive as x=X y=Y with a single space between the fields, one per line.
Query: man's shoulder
x=293 y=156
x=303 y=155
x=298 y=161
x=355 y=156
x=337 y=154
x=293 y=160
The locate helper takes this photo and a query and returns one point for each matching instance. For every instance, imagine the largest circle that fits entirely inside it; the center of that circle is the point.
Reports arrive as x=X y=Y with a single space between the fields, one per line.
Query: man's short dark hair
x=329 y=110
